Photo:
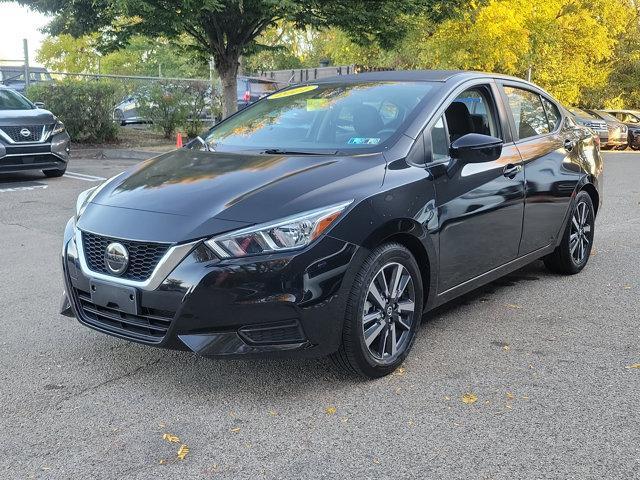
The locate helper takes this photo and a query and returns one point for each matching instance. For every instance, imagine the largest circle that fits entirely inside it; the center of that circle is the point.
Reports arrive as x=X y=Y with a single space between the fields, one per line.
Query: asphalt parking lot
x=530 y=377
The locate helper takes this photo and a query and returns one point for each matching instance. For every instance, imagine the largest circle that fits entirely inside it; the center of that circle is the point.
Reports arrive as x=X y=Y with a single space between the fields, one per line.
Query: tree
x=227 y=29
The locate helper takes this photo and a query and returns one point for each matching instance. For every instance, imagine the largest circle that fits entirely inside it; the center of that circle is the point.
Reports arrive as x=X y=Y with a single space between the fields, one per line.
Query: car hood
x=16 y=118
x=186 y=194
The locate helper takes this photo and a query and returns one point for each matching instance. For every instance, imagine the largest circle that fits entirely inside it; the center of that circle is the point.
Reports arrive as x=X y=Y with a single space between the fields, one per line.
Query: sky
x=16 y=23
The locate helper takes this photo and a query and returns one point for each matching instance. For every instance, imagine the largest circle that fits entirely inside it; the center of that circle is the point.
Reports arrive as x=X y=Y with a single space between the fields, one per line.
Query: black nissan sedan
x=326 y=218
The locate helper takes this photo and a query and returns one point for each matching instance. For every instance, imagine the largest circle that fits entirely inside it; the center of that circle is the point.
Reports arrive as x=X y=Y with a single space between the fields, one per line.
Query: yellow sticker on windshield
x=314 y=104
x=293 y=91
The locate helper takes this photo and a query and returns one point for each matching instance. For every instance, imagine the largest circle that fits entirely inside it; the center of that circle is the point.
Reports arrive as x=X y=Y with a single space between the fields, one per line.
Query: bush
x=166 y=105
x=85 y=107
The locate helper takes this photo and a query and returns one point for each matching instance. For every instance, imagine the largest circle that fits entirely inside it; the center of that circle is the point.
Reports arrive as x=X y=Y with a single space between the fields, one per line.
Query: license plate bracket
x=110 y=295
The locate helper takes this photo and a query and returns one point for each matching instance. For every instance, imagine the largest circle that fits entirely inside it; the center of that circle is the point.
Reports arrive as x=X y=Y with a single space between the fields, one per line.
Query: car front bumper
x=287 y=304
x=53 y=154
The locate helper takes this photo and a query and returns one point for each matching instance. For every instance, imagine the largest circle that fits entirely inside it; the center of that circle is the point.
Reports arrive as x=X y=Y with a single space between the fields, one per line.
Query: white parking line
x=21 y=189
x=82 y=176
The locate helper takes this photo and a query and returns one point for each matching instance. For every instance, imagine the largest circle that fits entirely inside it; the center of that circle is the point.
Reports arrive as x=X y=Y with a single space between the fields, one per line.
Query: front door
x=480 y=205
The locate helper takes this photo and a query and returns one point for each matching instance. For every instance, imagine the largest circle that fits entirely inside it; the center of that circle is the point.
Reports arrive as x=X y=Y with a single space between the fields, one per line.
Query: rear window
x=336 y=116
x=10 y=100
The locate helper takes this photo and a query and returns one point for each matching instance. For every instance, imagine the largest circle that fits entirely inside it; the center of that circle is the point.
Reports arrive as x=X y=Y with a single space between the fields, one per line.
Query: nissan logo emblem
x=25 y=132
x=116 y=258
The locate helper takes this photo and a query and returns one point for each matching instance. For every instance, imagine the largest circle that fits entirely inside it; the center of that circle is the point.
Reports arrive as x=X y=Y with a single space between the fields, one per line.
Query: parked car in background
x=596 y=124
x=13 y=77
x=126 y=112
x=365 y=201
x=618 y=131
x=251 y=89
x=631 y=118
x=31 y=138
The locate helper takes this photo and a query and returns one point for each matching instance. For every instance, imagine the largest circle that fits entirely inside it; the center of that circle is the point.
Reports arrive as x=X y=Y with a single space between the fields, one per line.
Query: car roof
x=416 y=76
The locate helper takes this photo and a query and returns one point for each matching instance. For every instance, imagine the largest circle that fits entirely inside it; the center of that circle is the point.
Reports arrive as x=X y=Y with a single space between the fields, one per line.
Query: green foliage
x=85 y=107
x=166 y=105
x=227 y=29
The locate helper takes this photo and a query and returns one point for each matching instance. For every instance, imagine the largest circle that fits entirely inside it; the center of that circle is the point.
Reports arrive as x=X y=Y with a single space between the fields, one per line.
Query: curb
x=115 y=153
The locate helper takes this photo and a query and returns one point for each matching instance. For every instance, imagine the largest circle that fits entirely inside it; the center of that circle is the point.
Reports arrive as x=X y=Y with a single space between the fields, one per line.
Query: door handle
x=510 y=170
x=569 y=144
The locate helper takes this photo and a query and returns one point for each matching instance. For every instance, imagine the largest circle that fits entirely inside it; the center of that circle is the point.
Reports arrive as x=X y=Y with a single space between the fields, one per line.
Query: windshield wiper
x=282 y=151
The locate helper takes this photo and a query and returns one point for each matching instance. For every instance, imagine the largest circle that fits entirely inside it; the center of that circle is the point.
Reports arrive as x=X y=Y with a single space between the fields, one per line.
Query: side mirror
x=476 y=148
x=39 y=104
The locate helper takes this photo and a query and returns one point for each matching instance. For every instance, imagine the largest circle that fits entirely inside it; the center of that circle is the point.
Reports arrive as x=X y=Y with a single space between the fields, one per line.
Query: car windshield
x=10 y=100
x=581 y=113
x=606 y=116
x=321 y=117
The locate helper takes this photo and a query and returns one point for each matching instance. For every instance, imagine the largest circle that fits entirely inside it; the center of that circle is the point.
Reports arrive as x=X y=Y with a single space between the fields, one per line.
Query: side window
x=439 y=143
x=528 y=112
x=553 y=114
x=471 y=112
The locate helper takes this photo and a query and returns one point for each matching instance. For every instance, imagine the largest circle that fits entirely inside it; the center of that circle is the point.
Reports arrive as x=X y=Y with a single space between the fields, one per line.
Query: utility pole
x=25 y=46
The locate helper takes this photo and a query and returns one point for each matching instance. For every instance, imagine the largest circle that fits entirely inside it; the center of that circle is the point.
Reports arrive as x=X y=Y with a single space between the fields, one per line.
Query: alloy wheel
x=388 y=314
x=580 y=235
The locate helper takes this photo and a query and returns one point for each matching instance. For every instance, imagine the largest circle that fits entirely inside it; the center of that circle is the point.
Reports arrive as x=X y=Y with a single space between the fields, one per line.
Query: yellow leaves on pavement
x=635 y=365
x=170 y=438
x=400 y=372
x=331 y=410
x=506 y=348
x=510 y=396
x=513 y=305
x=235 y=430
x=469 y=398
x=182 y=451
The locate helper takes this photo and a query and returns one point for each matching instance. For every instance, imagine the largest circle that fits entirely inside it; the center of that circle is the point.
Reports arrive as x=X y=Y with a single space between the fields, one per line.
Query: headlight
x=289 y=233
x=83 y=200
x=58 y=128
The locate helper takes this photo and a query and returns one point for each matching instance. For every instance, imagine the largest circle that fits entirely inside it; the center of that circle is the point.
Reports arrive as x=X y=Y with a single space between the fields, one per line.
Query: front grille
x=150 y=326
x=14 y=133
x=143 y=257
x=274 y=333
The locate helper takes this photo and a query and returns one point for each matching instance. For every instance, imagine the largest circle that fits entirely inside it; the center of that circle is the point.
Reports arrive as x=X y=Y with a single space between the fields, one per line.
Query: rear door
x=550 y=146
x=480 y=206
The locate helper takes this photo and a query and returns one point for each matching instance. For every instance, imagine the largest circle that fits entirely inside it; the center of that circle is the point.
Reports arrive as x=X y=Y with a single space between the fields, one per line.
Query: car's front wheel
x=573 y=253
x=383 y=313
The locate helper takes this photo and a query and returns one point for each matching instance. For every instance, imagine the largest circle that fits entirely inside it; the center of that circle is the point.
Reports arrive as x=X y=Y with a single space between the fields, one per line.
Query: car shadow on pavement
x=265 y=379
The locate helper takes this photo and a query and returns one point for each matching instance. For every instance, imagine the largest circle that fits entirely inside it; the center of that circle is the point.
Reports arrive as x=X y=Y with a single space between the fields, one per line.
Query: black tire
x=635 y=147
x=574 y=250
x=58 y=172
x=382 y=356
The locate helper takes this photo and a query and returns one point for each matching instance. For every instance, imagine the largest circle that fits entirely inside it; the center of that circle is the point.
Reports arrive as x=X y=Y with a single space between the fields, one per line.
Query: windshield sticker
x=293 y=91
x=363 y=141
x=314 y=104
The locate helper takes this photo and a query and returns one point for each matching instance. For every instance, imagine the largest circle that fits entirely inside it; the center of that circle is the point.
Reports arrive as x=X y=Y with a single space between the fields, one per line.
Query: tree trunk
x=227 y=68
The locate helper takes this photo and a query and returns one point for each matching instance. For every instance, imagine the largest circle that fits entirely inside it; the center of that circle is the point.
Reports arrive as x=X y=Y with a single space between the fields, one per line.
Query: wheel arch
x=593 y=193
x=414 y=237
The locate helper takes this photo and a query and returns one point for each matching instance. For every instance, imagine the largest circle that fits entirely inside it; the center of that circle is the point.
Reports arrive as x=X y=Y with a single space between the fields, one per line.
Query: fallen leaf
x=400 y=372
x=513 y=305
x=273 y=413
x=330 y=410
x=626 y=286
x=510 y=396
x=182 y=451
x=506 y=348
x=170 y=438
x=509 y=407
x=469 y=398
x=235 y=430
x=162 y=462
x=635 y=365
x=447 y=397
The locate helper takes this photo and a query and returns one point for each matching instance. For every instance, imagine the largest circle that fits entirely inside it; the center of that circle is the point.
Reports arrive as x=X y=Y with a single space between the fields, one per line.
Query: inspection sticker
x=363 y=141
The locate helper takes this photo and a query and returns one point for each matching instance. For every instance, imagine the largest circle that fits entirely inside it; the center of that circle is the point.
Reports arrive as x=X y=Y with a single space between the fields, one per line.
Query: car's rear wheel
x=574 y=250
x=57 y=172
x=383 y=313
